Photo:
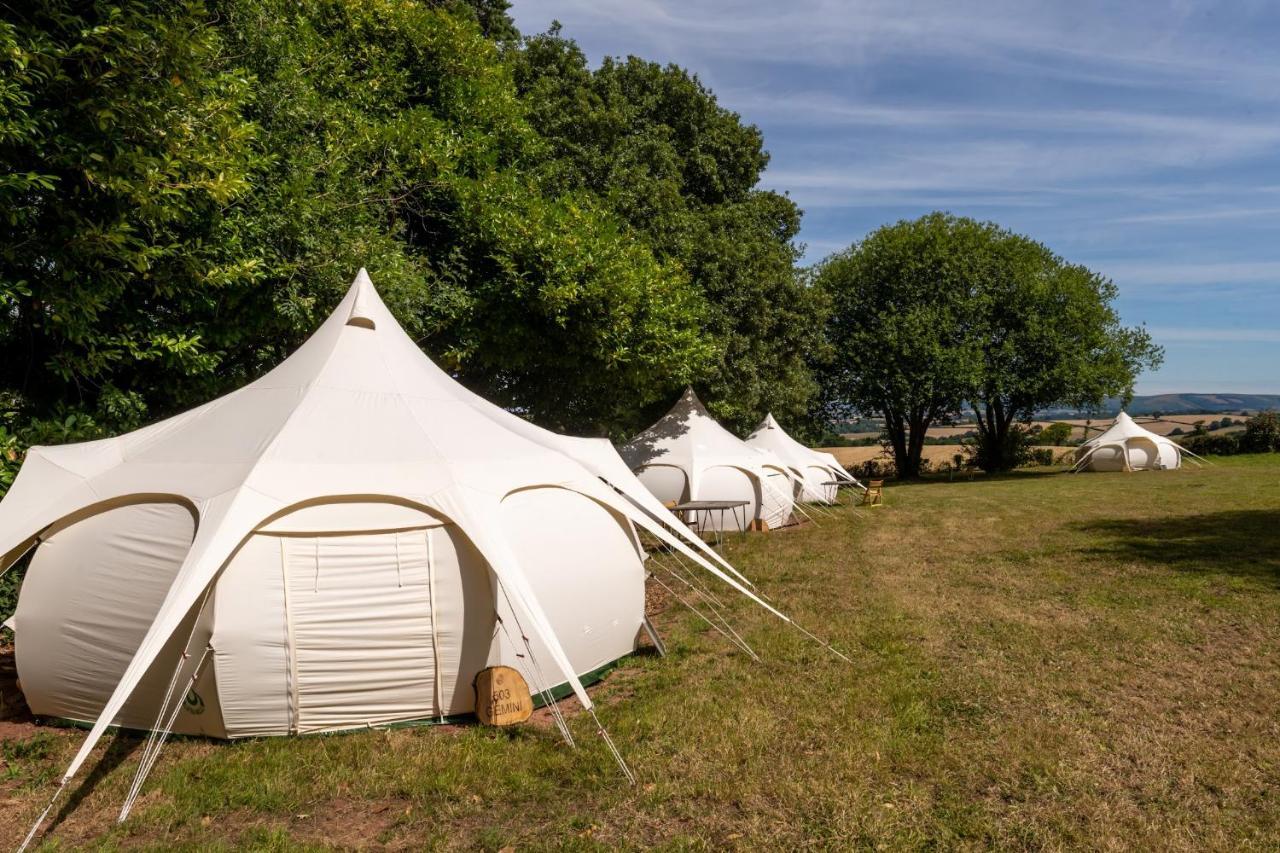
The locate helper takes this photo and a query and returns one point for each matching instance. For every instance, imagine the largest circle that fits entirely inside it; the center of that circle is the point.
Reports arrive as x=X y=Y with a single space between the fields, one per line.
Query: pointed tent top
x=363 y=303
x=769 y=422
x=688 y=403
x=1125 y=427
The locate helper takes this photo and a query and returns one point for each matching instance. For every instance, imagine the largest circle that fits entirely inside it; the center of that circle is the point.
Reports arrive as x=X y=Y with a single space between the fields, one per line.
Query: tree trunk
x=999 y=445
x=895 y=427
x=919 y=428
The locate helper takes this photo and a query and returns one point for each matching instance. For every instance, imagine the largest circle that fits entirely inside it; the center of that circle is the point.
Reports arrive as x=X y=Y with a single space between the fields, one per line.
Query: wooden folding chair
x=874 y=495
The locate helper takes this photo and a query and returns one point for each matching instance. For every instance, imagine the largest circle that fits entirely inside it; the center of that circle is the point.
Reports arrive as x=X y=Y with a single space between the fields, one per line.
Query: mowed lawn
x=1041 y=660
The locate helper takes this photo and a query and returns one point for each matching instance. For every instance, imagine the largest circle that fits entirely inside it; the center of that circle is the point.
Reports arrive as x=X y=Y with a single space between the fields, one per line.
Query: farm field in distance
x=1160 y=426
x=1039 y=660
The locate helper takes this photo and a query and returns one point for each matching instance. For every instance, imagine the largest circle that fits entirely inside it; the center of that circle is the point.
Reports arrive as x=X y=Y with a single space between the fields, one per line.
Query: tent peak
x=689 y=401
x=364 y=302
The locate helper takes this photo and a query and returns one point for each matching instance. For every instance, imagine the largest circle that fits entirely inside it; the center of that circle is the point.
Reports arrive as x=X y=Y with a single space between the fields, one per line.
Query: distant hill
x=1172 y=404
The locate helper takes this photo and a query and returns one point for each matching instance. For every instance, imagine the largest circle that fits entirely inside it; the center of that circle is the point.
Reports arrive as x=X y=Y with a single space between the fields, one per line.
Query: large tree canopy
x=902 y=326
x=1049 y=336
x=190 y=186
x=124 y=145
x=401 y=138
x=940 y=312
x=682 y=171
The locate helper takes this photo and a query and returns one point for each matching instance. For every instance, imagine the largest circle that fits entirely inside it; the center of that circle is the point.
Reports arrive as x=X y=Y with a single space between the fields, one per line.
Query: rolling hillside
x=1171 y=404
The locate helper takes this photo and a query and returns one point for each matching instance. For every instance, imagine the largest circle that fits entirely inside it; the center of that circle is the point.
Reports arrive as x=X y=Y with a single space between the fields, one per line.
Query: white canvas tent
x=349 y=538
x=688 y=456
x=1125 y=446
x=813 y=470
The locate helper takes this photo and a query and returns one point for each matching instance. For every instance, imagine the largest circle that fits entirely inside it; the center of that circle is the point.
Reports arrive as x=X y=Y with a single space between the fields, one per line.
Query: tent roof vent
x=361 y=308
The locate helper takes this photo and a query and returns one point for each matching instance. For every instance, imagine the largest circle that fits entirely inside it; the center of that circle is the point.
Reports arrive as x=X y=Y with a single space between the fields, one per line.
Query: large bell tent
x=688 y=456
x=342 y=543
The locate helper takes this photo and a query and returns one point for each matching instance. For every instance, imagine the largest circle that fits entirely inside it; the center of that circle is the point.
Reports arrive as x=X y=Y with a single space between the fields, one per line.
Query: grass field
x=1039 y=661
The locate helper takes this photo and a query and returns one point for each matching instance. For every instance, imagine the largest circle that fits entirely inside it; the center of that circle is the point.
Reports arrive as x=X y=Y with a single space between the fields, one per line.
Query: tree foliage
x=944 y=311
x=124 y=146
x=1049 y=335
x=402 y=139
x=190 y=187
x=682 y=171
x=1261 y=433
x=904 y=326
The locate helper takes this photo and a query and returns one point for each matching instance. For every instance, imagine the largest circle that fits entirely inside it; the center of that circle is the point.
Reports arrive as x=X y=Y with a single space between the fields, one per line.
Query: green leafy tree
x=903 y=320
x=1055 y=434
x=1049 y=335
x=1261 y=433
x=943 y=310
x=401 y=144
x=682 y=172
x=123 y=144
x=190 y=187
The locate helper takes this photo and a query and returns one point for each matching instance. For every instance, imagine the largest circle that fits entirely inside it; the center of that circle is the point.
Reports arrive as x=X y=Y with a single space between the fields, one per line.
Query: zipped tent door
x=321 y=632
x=362 y=635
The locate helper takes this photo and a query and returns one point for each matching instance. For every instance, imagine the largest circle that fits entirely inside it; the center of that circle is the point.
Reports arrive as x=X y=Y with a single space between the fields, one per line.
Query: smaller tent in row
x=1126 y=446
x=688 y=456
x=817 y=475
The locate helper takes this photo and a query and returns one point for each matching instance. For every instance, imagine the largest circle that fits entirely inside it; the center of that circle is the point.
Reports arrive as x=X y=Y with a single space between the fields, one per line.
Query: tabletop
x=692 y=505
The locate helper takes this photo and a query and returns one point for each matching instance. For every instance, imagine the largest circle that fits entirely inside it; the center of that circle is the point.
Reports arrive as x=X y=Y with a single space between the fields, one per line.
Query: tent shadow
x=1243 y=543
x=123 y=745
x=644 y=446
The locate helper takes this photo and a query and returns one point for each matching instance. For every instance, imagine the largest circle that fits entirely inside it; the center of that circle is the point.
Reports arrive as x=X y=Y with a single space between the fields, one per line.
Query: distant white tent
x=688 y=456
x=349 y=539
x=1125 y=446
x=814 y=471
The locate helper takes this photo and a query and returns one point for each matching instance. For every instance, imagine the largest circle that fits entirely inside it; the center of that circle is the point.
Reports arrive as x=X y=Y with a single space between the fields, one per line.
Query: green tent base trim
x=560 y=691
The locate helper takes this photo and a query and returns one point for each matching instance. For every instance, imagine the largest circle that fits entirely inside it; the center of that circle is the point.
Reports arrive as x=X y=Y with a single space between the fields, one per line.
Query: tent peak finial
x=365 y=296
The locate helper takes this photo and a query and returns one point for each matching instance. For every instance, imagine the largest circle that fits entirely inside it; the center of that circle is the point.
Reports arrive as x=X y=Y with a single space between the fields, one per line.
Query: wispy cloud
x=1134 y=44
x=1165 y=334
x=1140 y=138
x=1203 y=273
x=1196 y=216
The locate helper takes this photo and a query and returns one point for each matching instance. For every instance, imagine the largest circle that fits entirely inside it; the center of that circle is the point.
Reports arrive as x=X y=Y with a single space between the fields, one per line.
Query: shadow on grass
x=123 y=745
x=1236 y=542
x=936 y=478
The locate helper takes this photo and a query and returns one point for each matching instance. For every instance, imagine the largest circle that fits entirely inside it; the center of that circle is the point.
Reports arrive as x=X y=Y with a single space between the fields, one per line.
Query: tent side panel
x=582 y=565
x=1108 y=458
x=814 y=477
x=1144 y=455
x=667 y=483
x=90 y=594
x=726 y=483
x=463 y=614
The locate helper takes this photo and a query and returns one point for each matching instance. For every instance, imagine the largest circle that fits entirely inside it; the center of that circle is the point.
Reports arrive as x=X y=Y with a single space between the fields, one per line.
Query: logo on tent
x=193 y=704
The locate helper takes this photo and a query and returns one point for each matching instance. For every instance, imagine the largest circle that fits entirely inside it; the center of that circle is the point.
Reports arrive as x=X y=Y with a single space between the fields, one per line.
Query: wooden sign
x=502 y=697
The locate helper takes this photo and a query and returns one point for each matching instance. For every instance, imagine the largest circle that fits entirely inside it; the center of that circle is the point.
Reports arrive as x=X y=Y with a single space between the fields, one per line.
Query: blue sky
x=1139 y=138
